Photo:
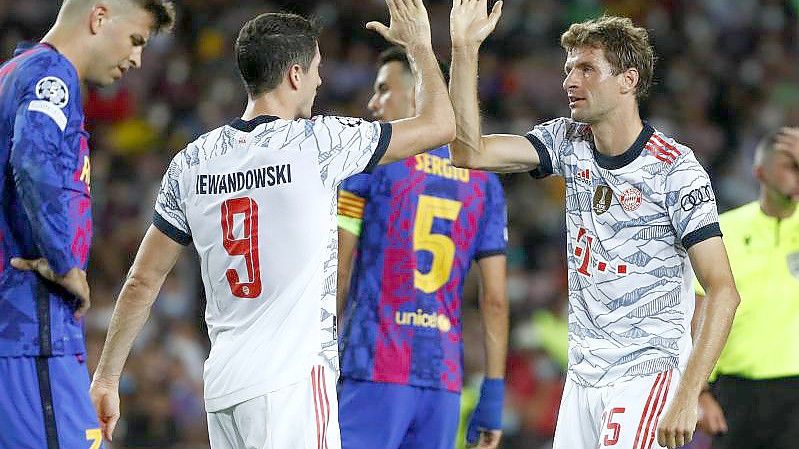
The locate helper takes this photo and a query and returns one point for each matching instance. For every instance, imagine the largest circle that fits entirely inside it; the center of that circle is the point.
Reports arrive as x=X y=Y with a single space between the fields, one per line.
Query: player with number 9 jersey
x=257 y=197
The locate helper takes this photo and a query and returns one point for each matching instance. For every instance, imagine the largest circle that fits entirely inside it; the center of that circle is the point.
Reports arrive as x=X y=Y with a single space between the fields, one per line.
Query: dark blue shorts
x=374 y=415
x=44 y=404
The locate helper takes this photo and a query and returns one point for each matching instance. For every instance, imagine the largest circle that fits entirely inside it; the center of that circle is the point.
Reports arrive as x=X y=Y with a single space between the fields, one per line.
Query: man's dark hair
x=269 y=45
x=398 y=54
x=163 y=12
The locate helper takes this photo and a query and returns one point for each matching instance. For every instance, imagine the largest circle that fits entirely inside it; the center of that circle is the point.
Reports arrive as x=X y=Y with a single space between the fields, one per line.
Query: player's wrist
x=492 y=391
x=468 y=48
x=106 y=379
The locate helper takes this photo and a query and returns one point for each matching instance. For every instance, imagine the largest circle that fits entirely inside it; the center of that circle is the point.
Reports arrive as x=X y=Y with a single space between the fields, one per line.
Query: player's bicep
x=507 y=153
x=348 y=146
x=411 y=136
x=711 y=264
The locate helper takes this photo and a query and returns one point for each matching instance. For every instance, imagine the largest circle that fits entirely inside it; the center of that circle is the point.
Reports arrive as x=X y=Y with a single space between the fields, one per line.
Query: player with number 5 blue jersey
x=418 y=225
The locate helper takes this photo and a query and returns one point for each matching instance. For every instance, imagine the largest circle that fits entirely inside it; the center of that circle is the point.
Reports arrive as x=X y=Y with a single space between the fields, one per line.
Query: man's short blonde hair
x=626 y=46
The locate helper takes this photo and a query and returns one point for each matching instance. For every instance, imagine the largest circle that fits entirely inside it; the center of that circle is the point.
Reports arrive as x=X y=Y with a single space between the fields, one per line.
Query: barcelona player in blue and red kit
x=45 y=220
x=418 y=225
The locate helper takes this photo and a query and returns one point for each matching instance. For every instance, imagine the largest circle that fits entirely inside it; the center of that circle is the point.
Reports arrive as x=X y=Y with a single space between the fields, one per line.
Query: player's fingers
x=403 y=8
x=22 y=264
x=112 y=423
x=378 y=28
x=85 y=304
x=665 y=438
x=496 y=13
x=490 y=439
x=392 y=7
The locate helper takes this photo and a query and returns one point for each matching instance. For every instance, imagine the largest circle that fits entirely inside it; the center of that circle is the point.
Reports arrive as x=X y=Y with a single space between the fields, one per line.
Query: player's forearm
x=467 y=146
x=130 y=314
x=434 y=107
x=719 y=312
x=494 y=309
x=40 y=194
x=155 y=259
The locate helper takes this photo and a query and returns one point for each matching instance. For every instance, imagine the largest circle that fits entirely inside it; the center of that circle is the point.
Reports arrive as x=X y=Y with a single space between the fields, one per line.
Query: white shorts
x=301 y=416
x=620 y=416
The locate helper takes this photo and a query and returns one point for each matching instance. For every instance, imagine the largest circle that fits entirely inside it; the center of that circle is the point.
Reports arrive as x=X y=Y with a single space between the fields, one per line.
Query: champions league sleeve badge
x=54 y=90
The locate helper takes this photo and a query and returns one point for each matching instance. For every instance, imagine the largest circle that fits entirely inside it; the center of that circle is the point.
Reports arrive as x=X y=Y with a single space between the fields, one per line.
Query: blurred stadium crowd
x=726 y=74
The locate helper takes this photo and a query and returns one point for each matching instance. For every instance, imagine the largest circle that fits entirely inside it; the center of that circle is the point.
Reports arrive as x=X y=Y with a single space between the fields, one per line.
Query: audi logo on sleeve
x=696 y=197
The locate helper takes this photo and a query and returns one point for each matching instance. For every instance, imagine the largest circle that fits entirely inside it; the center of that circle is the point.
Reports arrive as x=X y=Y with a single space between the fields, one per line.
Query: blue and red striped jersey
x=46 y=207
x=423 y=223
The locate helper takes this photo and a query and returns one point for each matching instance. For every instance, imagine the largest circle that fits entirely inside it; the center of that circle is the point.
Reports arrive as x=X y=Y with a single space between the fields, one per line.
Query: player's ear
x=98 y=18
x=295 y=76
x=629 y=80
x=757 y=172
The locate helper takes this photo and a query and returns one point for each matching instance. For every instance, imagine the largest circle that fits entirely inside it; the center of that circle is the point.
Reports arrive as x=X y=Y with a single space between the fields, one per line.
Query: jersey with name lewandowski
x=258 y=198
x=630 y=221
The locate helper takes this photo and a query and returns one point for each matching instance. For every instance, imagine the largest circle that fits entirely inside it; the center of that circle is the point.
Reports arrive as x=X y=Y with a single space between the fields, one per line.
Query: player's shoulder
x=669 y=154
x=45 y=68
x=335 y=120
x=198 y=150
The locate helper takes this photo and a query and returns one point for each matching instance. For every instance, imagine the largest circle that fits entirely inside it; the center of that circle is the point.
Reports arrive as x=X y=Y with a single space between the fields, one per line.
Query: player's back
x=46 y=208
x=258 y=200
x=424 y=222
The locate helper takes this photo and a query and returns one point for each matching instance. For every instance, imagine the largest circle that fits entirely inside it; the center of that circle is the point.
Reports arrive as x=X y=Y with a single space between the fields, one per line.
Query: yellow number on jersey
x=95 y=436
x=440 y=246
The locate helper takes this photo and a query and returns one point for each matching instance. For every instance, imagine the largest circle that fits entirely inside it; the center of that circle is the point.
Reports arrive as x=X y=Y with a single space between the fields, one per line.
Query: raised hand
x=470 y=23
x=409 y=24
x=74 y=281
x=788 y=141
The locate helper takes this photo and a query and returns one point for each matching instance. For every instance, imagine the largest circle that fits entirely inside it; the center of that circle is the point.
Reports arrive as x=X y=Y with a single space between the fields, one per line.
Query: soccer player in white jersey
x=640 y=215
x=258 y=199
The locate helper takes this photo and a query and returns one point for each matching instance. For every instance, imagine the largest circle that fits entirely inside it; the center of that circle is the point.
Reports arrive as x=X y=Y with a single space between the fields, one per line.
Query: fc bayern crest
x=793 y=264
x=631 y=199
x=54 y=90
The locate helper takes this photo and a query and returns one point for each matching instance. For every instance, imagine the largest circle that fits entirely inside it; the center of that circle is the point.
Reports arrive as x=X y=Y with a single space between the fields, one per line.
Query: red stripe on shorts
x=650 y=420
x=646 y=408
x=327 y=405
x=660 y=410
x=316 y=409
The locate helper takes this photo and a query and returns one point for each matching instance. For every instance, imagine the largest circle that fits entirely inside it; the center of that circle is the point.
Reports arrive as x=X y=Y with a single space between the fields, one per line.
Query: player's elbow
x=724 y=293
x=140 y=285
x=439 y=132
x=494 y=303
x=462 y=157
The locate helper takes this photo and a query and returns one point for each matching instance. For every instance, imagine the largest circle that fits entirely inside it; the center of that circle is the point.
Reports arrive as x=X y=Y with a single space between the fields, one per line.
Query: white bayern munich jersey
x=258 y=198
x=630 y=220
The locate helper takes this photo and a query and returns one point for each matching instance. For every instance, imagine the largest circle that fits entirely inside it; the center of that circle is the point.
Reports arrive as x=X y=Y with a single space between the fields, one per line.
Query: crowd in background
x=726 y=74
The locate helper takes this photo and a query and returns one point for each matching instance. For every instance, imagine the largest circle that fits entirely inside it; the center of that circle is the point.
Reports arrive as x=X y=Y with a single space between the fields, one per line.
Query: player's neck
x=270 y=103
x=64 y=41
x=776 y=205
x=617 y=132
